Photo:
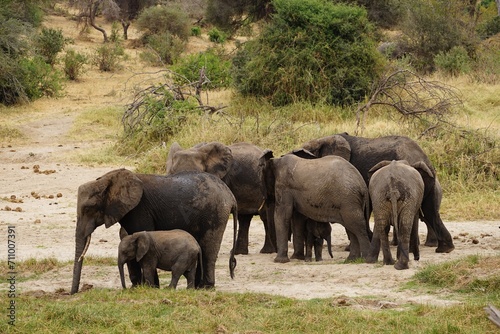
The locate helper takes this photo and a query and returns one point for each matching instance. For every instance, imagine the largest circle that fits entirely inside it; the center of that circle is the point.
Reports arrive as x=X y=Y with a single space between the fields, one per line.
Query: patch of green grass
x=97 y=124
x=199 y=311
x=9 y=134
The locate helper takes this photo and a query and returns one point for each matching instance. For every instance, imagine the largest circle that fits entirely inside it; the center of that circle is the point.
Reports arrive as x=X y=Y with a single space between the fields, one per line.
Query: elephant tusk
x=262 y=205
x=87 y=244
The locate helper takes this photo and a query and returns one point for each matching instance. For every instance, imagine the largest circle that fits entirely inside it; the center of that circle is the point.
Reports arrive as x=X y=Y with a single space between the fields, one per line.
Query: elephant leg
x=374 y=247
x=318 y=249
x=190 y=277
x=414 y=240
x=270 y=241
x=210 y=245
x=299 y=236
x=150 y=276
x=431 y=217
x=355 y=251
x=309 y=245
x=282 y=219
x=242 y=239
x=384 y=243
x=135 y=273
x=403 y=253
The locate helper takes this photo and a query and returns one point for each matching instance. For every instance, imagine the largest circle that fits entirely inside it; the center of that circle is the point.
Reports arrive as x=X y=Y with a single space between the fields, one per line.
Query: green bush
x=313 y=51
x=216 y=36
x=49 y=43
x=217 y=69
x=454 y=62
x=39 y=78
x=107 y=57
x=73 y=64
x=163 y=49
x=489 y=28
x=158 y=20
x=195 y=31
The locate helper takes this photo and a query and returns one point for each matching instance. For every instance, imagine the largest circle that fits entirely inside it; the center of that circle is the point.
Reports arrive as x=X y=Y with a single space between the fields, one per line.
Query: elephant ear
x=331 y=145
x=424 y=170
x=123 y=191
x=170 y=158
x=304 y=154
x=379 y=165
x=143 y=242
x=267 y=175
x=217 y=158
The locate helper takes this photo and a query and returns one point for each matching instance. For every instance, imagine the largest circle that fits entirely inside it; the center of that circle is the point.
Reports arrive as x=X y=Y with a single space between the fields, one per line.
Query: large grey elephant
x=316 y=232
x=238 y=166
x=198 y=203
x=175 y=250
x=396 y=192
x=364 y=153
x=327 y=189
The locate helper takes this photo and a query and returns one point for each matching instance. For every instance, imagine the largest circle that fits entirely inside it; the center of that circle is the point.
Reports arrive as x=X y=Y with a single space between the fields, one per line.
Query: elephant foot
x=298 y=257
x=267 y=249
x=318 y=259
x=401 y=265
x=281 y=259
x=308 y=259
x=389 y=262
x=241 y=251
x=431 y=243
x=371 y=259
x=444 y=248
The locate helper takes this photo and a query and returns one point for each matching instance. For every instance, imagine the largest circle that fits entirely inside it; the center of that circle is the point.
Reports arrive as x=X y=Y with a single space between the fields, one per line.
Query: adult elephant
x=198 y=203
x=364 y=153
x=238 y=166
x=327 y=189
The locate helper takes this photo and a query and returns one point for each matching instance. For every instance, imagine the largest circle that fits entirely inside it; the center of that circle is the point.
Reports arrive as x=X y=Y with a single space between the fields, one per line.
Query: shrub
x=107 y=57
x=49 y=43
x=217 y=69
x=158 y=20
x=39 y=78
x=163 y=49
x=312 y=51
x=73 y=64
x=195 y=31
x=454 y=62
x=216 y=36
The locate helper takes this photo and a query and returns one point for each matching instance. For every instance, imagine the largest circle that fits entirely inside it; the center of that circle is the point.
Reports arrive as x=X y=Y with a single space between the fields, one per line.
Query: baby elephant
x=396 y=191
x=315 y=234
x=174 y=250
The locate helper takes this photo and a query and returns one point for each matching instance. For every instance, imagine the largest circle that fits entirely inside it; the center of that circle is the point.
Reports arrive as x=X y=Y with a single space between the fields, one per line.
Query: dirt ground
x=38 y=186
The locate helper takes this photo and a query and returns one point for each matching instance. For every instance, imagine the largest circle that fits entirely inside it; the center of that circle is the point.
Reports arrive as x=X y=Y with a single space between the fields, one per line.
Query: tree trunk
x=498 y=6
x=93 y=10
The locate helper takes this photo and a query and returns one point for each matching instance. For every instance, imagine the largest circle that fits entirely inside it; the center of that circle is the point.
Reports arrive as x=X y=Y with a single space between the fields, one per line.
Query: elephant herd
x=335 y=179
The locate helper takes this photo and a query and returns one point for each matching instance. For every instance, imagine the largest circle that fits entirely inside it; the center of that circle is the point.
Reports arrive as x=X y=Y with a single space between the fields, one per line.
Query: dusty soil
x=38 y=186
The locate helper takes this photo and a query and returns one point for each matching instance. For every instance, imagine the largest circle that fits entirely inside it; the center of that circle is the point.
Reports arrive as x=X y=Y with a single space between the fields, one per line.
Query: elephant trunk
x=232 y=259
x=80 y=249
x=121 y=264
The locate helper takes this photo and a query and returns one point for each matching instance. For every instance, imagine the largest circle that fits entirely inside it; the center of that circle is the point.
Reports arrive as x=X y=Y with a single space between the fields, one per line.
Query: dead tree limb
x=493 y=314
x=411 y=96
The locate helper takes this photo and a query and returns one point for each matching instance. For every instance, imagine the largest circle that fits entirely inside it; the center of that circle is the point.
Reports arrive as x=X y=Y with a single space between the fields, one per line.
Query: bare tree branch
x=411 y=96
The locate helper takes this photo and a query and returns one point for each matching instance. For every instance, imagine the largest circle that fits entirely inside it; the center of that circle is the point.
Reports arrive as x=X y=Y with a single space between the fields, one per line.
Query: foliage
x=313 y=51
x=213 y=64
x=454 y=62
x=48 y=43
x=162 y=49
x=489 y=28
x=195 y=31
x=486 y=67
x=230 y=15
x=39 y=78
x=216 y=36
x=160 y=19
x=74 y=63
x=434 y=26
x=107 y=57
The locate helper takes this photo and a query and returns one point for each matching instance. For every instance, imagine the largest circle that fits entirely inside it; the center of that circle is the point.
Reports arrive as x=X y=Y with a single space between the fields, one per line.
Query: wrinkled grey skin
x=238 y=166
x=396 y=192
x=364 y=153
x=316 y=232
x=175 y=250
x=198 y=203
x=327 y=189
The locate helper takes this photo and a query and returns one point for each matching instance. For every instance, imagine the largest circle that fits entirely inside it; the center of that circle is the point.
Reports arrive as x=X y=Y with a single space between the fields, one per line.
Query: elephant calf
x=396 y=191
x=315 y=234
x=174 y=250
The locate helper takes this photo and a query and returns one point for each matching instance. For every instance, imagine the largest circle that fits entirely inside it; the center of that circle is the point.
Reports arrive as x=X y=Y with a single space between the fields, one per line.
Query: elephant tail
x=394 y=196
x=232 y=259
x=329 y=244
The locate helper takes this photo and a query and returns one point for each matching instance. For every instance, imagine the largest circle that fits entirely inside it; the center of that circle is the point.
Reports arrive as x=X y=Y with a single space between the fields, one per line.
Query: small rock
x=7 y=208
x=37 y=221
x=59 y=195
x=103 y=240
x=18 y=209
x=475 y=241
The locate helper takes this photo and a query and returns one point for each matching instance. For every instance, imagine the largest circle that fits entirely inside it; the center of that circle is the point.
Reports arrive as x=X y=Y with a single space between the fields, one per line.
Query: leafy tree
x=160 y=19
x=312 y=50
x=434 y=26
